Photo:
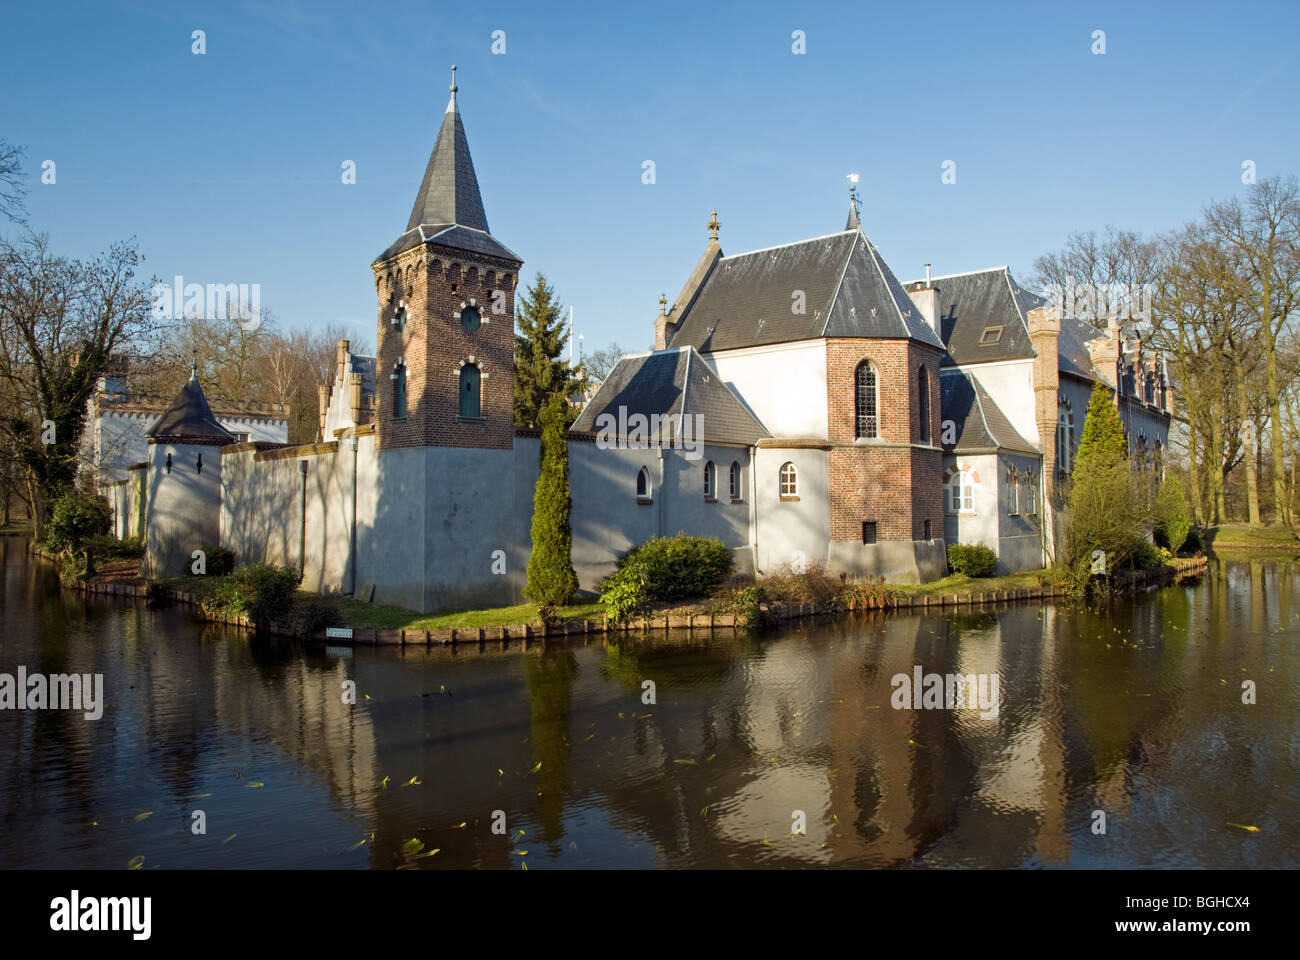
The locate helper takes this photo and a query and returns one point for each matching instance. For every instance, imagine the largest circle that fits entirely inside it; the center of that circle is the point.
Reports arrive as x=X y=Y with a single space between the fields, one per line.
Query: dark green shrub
x=77 y=517
x=1172 y=519
x=105 y=546
x=623 y=594
x=219 y=561
x=747 y=606
x=680 y=567
x=1194 y=543
x=313 y=616
x=261 y=592
x=972 y=559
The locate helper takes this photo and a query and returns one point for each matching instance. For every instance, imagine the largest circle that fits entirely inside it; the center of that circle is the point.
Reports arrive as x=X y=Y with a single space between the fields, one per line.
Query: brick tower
x=446 y=293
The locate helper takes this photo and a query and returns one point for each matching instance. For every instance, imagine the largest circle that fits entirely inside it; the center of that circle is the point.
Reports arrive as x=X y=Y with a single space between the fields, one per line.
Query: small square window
x=868 y=531
x=990 y=336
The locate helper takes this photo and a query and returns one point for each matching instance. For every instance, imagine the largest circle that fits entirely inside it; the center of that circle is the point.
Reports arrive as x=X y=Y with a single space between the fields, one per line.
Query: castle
x=801 y=404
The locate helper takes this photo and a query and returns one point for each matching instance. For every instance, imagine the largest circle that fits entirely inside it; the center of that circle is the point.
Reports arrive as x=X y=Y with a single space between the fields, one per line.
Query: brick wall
x=891 y=482
x=435 y=282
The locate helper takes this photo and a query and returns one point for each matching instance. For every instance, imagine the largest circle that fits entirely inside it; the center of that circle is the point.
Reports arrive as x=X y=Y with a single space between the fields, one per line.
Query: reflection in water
x=1134 y=711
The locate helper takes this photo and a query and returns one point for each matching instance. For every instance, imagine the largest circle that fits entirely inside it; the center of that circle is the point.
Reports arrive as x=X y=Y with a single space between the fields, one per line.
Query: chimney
x=1044 y=331
x=925 y=295
x=323 y=396
x=664 y=328
x=342 y=349
x=355 y=396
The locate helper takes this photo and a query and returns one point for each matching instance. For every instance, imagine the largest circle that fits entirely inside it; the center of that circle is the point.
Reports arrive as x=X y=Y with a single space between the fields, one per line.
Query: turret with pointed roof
x=189 y=419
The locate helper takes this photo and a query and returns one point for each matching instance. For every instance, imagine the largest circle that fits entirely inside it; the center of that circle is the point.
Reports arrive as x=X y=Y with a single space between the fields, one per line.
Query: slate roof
x=448 y=208
x=366 y=367
x=981 y=424
x=849 y=291
x=673 y=381
x=189 y=418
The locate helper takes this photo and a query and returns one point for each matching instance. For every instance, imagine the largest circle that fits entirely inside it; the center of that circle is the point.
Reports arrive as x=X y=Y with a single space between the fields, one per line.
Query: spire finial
x=854 y=222
x=194 y=365
x=713 y=226
x=663 y=304
x=453 y=78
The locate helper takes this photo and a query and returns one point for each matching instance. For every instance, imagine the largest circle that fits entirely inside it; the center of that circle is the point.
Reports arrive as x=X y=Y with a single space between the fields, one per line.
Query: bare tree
x=12 y=190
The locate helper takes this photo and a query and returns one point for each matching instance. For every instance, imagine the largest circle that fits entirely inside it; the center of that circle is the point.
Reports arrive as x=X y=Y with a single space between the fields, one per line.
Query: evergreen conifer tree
x=552 y=581
x=542 y=334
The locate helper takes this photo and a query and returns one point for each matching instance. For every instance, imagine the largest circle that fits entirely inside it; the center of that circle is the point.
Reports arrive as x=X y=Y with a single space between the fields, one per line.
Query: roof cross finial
x=713 y=226
x=663 y=304
x=854 y=222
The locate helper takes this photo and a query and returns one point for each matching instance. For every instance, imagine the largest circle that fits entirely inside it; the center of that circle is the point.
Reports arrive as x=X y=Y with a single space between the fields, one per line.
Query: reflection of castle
x=843 y=419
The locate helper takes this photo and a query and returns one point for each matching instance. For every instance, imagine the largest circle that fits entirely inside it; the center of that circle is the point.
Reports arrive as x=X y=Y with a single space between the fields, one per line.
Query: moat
x=1135 y=711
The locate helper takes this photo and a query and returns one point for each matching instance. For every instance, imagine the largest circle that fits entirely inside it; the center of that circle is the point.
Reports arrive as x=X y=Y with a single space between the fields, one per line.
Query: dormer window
x=990 y=336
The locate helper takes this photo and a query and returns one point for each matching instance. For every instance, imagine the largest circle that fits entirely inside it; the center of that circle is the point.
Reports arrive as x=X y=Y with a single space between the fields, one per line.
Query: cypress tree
x=542 y=334
x=1102 y=445
x=552 y=581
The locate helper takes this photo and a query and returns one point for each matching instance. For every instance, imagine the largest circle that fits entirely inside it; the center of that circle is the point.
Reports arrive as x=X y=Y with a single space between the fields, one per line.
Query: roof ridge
x=966 y=273
x=839 y=283
x=792 y=243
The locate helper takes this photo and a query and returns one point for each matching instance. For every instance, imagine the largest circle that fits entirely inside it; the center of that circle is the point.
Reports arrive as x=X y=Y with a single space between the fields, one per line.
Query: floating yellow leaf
x=536 y=768
x=704 y=811
x=255 y=784
x=359 y=843
x=691 y=762
x=519 y=834
x=413 y=782
x=384 y=782
x=521 y=853
x=461 y=826
x=428 y=853
x=590 y=736
x=412 y=846
x=135 y=863
x=1243 y=826
x=143 y=816
x=228 y=839
x=522 y=864
x=202 y=795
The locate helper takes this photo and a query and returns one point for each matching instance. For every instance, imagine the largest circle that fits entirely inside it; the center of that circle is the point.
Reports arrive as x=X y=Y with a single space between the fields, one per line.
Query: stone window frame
x=734 y=482
x=871 y=368
x=400 y=383
x=957 y=473
x=788 y=482
x=470 y=361
x=1013 y=492
x=710 y=482
x=465 y=305
x=644 y=486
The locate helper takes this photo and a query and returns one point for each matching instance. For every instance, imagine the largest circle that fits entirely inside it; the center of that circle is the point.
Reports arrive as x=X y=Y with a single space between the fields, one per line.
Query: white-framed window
x=1031 y=494
x=643 y=484
x=961 y=493
x=735 y=480
x=1013 y=494
x=399 y=390
x=789 y=480
x=710 y=481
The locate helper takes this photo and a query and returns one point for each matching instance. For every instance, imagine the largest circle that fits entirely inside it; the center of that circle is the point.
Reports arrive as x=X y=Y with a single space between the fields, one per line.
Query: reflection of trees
x=629 y=664
x=550 y=693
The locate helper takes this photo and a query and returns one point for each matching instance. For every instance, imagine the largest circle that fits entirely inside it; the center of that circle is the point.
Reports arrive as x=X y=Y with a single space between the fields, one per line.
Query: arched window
x=866 y=395
x=961 y=492
x=1064 y=441
x=710 y=481
x=1030 y=499
x=399 y=390
x=735 y=481
x=923 y=402
x=1013 y=493
x=789 y=480
x=643 y=484
x=470 y=401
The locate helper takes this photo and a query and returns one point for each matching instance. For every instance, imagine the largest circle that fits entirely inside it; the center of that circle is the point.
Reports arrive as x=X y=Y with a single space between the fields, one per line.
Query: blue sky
x=226 y=167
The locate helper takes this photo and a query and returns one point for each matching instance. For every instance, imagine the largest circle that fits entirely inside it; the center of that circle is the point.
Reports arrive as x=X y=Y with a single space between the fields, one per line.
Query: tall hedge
x=552 y=581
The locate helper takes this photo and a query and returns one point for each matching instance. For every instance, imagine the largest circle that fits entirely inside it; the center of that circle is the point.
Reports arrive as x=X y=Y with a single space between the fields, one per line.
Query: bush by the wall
x=972 y=559
x=219 y=561
x=313 y=616
x=77 y=517
x=623 y=595
x=261 y=592
x=680 y=567
x=1172 y=519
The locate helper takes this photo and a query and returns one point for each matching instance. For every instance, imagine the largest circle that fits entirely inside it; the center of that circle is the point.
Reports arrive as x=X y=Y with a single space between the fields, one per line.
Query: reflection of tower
x=1052 y=843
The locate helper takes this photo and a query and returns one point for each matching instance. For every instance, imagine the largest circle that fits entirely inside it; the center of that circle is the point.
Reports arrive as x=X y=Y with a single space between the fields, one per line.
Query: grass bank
x=1240 y=536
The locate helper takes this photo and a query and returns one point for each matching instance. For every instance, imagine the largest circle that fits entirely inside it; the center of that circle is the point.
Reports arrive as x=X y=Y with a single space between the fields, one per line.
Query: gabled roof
x=981 y=425
x=189 y=418
x=972 y=303
x=448 y=207
x=676 y=381
x=840 y=280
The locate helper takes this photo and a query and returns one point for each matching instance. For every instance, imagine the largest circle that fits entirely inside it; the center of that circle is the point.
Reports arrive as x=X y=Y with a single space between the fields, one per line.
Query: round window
x=469 y=319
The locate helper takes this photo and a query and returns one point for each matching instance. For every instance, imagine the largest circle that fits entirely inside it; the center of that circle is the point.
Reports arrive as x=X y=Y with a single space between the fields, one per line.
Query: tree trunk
x=1251 y=442
x=1217 y=482
x=1194 y=474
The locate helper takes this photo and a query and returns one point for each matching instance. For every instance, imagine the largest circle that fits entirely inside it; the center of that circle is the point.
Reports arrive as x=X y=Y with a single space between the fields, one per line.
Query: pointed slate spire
x=189 y=418
x=449 y=192
x=854 y=223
